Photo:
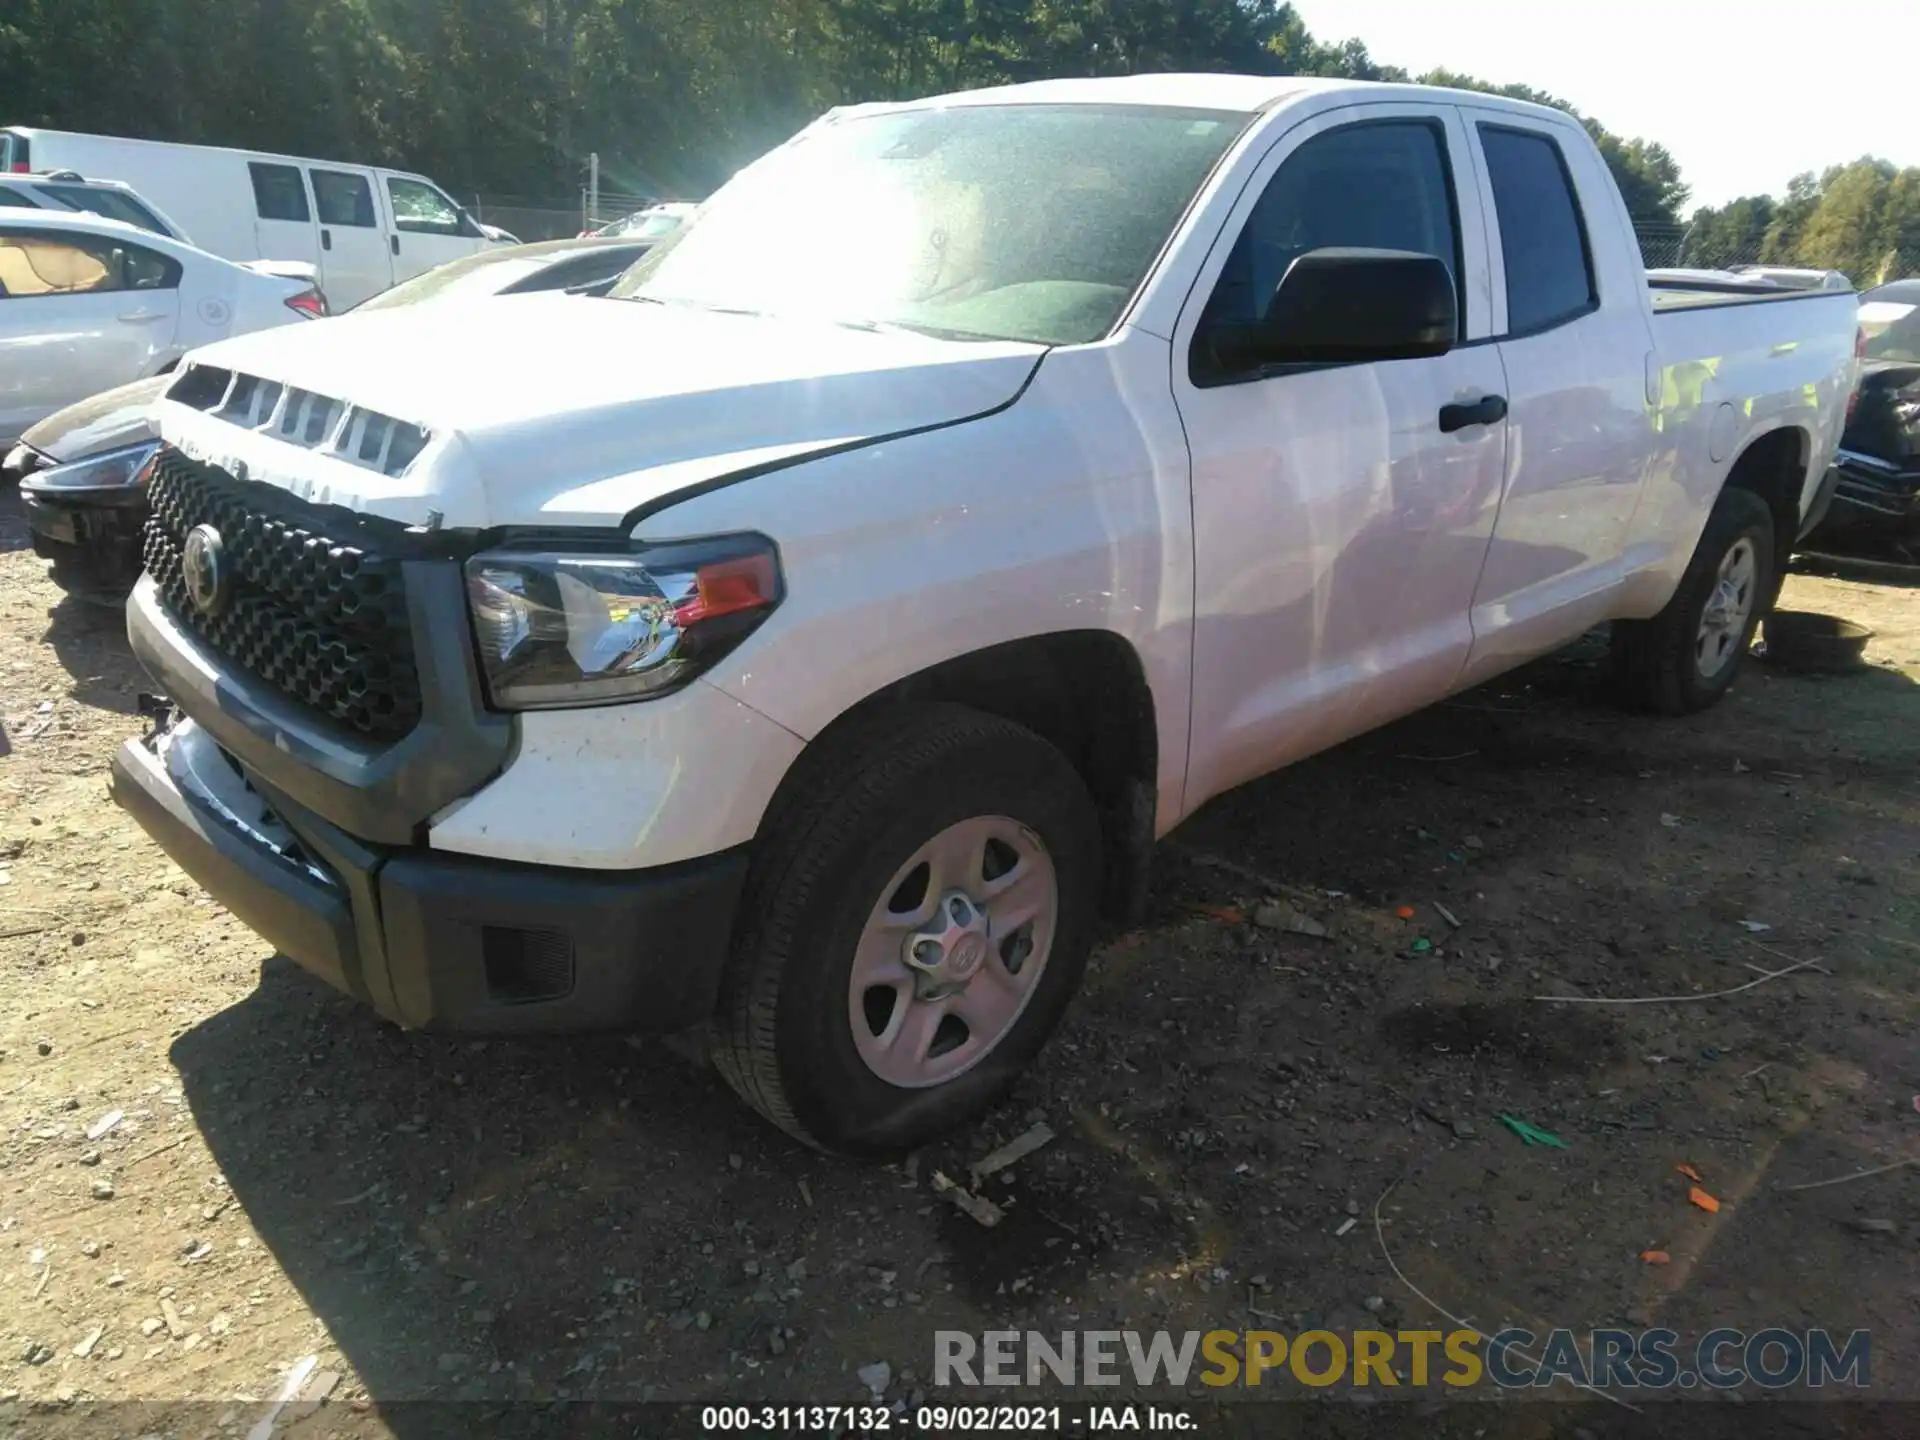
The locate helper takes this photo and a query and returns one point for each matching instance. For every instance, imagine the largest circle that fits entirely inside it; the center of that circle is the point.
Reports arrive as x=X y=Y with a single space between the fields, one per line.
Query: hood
x=558 y=409
x=107 y=421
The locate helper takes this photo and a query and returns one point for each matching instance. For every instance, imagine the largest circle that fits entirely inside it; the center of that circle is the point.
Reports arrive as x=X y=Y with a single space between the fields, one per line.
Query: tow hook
x=159 y=712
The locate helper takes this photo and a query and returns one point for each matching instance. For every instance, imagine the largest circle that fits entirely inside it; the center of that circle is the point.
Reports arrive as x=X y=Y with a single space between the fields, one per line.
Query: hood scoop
x=314 y=422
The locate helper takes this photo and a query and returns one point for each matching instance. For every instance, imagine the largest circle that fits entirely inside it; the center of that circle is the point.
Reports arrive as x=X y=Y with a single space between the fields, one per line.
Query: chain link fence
x=554 y=218
x=1664 y=246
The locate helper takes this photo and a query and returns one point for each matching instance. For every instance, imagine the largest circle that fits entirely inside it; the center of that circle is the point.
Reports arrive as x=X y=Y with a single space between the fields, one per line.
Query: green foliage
x=1647 y=174
x=511 y=95
x=1862 y=219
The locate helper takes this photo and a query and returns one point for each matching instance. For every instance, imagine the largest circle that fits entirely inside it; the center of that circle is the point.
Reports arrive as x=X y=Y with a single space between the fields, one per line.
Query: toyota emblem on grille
x=204 y=563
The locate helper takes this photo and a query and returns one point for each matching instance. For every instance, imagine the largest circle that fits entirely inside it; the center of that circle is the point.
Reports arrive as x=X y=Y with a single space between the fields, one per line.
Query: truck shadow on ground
x=90 y=640
x=504 y=1222
x=14 y=533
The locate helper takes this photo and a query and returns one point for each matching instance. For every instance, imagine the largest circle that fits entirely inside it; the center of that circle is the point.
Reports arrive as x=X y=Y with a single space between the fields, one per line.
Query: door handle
x=394 y=240
x=326 y=239
x=1487 y=410
x=143 y=317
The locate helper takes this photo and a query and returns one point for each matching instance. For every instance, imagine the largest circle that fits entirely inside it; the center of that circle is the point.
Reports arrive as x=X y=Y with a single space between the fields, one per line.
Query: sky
x=1744 y=95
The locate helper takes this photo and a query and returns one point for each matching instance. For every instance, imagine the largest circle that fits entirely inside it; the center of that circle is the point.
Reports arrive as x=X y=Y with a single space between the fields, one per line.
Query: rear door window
x=343 y=198
x=278 y=192
x=1543 y=239
x=9 y=196
x=114 y=204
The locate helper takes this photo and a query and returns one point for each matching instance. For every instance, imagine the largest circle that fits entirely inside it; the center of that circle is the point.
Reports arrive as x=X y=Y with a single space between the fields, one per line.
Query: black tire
x=1654 y=663
x=782 y=1037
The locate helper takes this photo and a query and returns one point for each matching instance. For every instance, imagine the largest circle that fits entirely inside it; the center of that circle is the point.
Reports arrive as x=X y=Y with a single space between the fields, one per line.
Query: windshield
x=1890 y=323
x=997 y=222
x=110 y=203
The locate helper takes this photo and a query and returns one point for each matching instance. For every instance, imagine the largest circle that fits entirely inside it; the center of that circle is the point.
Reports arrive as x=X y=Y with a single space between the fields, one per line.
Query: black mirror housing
x=1349 y=306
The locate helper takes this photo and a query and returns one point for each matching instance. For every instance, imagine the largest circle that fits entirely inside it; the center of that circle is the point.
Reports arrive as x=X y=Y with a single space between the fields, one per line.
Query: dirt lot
x=434 y=1218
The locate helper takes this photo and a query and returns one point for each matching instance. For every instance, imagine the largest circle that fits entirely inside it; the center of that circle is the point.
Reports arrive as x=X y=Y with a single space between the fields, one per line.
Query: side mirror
x=1345 y=306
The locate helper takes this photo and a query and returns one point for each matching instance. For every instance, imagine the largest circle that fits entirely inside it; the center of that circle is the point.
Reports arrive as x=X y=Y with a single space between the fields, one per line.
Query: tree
x=1646 y=172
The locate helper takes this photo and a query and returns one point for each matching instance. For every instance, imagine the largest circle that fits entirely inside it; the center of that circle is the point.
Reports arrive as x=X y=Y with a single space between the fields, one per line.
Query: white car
x=807 y=644
x=88 y=303
x=361 y=227
x=67 y=191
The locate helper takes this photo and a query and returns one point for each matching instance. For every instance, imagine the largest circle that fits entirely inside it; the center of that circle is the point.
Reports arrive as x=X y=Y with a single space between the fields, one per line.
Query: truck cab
x=820 y=677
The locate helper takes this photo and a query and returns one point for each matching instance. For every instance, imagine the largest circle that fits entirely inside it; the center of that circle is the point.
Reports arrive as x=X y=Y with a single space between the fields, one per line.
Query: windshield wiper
x=908 y=327
x=706 y=305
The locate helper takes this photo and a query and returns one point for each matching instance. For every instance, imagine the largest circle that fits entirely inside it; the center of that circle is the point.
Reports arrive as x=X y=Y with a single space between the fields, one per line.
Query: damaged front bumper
x=429 y=939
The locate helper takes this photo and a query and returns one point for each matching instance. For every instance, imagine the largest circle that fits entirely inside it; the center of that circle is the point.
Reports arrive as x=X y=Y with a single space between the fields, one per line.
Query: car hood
x=107 y=421
x=558 y=409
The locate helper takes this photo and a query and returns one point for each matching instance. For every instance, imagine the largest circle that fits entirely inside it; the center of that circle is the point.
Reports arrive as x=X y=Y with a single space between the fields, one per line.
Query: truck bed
x=1672 y=292
x=1735 y=363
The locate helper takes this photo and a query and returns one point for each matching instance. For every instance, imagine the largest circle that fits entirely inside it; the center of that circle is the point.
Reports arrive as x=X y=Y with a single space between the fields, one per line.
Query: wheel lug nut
x=927 y=952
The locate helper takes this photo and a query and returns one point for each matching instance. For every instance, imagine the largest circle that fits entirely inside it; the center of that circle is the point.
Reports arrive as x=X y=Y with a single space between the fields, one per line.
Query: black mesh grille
x=323 y=619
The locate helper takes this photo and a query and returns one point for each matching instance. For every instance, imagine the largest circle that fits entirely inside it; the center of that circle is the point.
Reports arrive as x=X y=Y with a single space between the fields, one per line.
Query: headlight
x=109 y=470
x=569 y=630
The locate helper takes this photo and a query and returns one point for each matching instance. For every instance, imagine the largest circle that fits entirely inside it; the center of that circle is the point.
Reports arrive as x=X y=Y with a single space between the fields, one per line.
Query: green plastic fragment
x=1532 y=1135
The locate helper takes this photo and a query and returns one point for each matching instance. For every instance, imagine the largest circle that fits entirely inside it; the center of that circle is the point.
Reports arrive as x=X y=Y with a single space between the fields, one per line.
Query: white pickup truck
x=808 y=643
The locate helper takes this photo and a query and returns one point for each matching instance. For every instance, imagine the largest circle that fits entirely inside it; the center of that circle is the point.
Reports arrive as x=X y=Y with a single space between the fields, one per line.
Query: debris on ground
x=1345 y=1225
x=978 y=1207
x=312 y=1396
x=1532 y=1134
x=176 y=1327
x=105 y=1124
x=1446 y=914
x=1225 y=914
x=1672 y=822
x=1285 y=918
x=1874 y=1227
x=296 y=1377
x=876 y=1377
x=91 y=1339
x=1405 y=912
x=1018 y=1148
x=243 y=1083
x=1656 y=1257
x=1765 y=976
x=1691 y=1173
x=1755 y=927
x=1702 y=1199
x=102 y=1190
x=1421 y=946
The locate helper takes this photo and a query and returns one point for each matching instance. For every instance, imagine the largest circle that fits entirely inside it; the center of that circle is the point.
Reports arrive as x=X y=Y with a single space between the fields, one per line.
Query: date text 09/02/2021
x=943 y=1419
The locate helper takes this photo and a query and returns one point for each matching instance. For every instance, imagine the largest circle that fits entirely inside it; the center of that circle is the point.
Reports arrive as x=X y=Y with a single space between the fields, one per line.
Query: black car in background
x=81 y=470
x=1876 y=496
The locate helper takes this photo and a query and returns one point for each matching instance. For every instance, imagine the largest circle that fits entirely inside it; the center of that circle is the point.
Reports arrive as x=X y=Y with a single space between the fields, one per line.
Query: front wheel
x=916 y=921
x=1686 y=657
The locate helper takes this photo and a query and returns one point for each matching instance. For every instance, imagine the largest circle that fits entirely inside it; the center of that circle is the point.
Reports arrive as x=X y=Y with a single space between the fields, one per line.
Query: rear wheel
x=1686 y=657
x=917 y=919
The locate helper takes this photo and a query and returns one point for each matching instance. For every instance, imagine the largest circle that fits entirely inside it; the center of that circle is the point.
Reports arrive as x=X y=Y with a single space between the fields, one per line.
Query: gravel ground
x=211 y=1167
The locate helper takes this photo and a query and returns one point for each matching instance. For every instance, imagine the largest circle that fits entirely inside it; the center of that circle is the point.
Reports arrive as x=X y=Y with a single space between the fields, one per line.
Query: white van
x=362 y=227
